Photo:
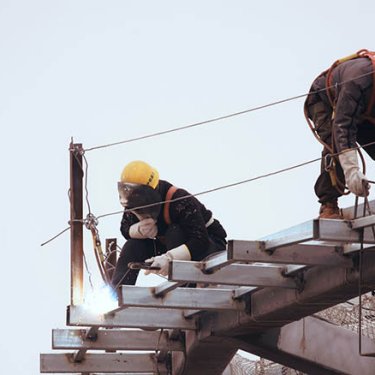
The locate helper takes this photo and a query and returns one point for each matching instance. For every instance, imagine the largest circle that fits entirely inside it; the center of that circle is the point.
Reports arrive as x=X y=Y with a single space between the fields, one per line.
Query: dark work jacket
x=351 y=99
x=190 y=214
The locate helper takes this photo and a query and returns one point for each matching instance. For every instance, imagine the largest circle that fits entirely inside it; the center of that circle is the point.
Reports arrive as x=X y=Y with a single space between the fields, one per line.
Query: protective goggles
x=134 y=195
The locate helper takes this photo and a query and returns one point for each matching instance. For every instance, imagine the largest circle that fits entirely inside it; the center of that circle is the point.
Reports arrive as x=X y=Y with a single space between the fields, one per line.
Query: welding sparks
x=101 y=300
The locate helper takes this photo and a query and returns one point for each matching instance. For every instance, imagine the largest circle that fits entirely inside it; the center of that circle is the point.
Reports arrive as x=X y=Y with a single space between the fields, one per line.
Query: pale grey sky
x=105 y=71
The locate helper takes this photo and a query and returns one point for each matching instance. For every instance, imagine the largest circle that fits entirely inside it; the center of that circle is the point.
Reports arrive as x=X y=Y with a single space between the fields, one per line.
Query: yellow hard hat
x=139 y=172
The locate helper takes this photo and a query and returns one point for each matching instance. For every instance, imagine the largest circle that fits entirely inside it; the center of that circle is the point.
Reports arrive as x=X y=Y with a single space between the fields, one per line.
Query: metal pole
x=76 y=224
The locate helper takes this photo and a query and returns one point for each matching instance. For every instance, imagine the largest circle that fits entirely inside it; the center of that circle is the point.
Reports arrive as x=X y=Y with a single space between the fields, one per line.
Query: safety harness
x=331 y=159
x=167 y=218
x=329 y=86
x=168 y=198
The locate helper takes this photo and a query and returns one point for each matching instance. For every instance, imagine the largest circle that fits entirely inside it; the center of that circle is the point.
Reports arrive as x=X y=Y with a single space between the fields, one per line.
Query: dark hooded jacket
x=351 y=97
x=192 y=217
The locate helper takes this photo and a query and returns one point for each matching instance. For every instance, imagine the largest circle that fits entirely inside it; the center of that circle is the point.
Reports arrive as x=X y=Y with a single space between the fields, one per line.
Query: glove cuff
x=179 y=253
x=135 y=233
x=349 y=159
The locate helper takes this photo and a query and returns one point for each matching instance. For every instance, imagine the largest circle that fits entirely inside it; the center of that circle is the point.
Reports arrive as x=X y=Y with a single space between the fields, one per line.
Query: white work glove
x=178 y=253
x=355 y=179
x=146 y=228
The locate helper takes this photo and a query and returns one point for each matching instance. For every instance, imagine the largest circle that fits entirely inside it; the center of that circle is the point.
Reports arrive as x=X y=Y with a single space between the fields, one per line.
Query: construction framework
x=258 y=296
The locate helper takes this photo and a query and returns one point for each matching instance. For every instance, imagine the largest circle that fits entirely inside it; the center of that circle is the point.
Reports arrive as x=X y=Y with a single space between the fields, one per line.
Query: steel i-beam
x=114 y=339
x=234 y=274
x=182 y=298
x=99 y=363
x=132 y=317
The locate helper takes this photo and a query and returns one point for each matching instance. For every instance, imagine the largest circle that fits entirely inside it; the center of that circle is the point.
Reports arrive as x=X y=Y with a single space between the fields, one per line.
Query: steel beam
x=243 y=290
x=234 y=274
x=165 y=287
x=325 y=286
x=80 y=354
x=311 y=255
x=114 y=339
x=239 y=292
x=190 y=313
x=338 y=231
x=350 y=214
x=296 y=234
x=203 y=358
x=313 y=346
x=76 y=224
x=216 y=262
x=182 y=298
x=132 y=317
x=363 y=222
x=270 y=307
x=109 y=363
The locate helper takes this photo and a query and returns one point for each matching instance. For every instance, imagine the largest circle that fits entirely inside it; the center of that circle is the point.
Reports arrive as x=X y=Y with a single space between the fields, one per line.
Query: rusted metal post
x=111 y=255
x=76 y=232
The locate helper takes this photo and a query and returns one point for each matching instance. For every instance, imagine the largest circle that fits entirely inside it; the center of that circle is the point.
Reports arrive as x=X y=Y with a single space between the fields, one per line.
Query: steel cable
x=213 y=189
x=219 y=118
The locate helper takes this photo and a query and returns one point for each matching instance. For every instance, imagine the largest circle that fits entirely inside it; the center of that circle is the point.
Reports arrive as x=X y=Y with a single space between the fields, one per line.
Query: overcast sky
x=107 y=71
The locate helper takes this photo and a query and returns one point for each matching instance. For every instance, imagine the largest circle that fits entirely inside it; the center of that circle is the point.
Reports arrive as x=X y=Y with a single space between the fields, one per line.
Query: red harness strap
x=168 y=197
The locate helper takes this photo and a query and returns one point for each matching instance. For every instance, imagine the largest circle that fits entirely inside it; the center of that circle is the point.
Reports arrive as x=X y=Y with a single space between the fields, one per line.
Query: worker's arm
x=354 y=178
x=348 y=110
x=137 y=228
x=188 y=214
x=162 y=261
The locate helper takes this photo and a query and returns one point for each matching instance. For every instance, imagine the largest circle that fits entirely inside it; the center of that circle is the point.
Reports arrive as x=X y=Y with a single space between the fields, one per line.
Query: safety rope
x=331 y=159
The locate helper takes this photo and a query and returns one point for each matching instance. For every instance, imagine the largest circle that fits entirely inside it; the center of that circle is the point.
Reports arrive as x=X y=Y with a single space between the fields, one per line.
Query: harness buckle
x=329 y=163
x=330 y=167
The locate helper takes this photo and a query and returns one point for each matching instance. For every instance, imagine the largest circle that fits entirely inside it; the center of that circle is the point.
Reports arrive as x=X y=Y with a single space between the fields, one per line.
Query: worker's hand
x=178 y=253
x=355 y=180
x=161 y=261
x=146 y=228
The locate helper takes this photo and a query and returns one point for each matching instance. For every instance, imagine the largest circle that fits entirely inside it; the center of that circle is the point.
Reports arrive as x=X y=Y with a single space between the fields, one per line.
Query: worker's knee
x=137 y=250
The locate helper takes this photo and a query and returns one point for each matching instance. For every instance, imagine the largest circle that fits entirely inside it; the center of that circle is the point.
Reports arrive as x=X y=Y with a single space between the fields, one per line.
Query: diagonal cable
x=219 y=118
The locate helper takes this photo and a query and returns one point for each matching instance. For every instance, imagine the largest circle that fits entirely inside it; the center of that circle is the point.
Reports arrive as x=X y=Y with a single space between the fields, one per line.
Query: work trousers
x=321 y=115
x=140 y=250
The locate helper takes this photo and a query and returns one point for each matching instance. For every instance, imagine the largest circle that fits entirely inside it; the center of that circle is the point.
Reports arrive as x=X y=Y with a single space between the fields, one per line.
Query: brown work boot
x=330 y=210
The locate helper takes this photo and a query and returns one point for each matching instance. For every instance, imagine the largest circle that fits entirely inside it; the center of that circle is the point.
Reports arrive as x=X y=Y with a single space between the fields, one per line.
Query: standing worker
x=340 y=110
x=161 y=231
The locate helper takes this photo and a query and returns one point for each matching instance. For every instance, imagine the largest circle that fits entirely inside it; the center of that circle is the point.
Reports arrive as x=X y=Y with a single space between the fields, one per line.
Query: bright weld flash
x=101 y=300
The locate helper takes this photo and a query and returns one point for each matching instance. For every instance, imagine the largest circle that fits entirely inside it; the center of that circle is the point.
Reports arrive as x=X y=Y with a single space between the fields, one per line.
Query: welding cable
x=88 y=271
